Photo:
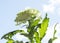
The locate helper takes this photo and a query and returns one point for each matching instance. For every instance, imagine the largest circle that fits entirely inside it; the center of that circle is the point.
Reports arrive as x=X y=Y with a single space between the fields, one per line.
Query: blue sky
x=9 y=9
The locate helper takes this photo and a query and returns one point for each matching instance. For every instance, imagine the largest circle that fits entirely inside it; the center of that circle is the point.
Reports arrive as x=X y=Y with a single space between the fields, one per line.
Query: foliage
x=52 y=39
x=36 y=29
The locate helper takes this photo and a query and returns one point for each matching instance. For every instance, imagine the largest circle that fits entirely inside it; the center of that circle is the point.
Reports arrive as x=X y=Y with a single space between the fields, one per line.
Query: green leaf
x=10 y=41
x=54 y=38
x=36 y=36
x=35 y=22
x=25 y=34
x=10 y=34
x=33 y=25
x=43 y=29
x=50 y=41
x=18 y=41
x=54 y=32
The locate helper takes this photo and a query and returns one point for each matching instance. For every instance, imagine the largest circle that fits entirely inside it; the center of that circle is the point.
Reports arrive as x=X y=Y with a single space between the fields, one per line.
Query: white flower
x=25 y=15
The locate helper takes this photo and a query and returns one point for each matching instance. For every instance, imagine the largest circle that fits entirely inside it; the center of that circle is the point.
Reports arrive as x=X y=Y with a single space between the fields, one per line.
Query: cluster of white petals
x=25 y=15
